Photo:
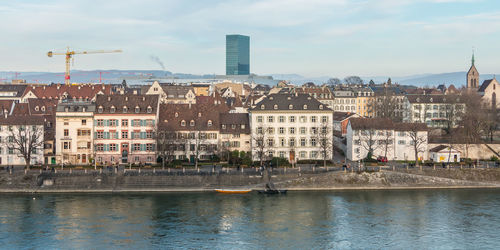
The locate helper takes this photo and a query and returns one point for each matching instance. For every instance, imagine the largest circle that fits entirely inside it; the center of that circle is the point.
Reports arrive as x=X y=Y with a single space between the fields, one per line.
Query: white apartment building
x=288 y=125
x=437 y=111
x=74 y=132
x=379 y=134
x=14 y=127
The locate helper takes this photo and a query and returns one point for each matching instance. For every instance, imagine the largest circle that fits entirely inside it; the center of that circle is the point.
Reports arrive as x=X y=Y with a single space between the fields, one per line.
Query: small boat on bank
x=233 y=191
x=275 y=191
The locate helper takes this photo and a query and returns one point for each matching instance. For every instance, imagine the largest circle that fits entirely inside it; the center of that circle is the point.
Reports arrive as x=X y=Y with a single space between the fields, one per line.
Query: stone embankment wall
x=141 y=182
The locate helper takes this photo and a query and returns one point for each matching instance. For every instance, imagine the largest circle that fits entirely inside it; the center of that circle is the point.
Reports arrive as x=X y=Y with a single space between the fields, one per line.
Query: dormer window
x=262 y=106
x=183 y=123
x=209 y=123
x=137 y=109
x=430 y=100
x=223 y=126
x=176 y=114
x=43 y=108
x=320 y=106
x=125 y=109
x=100 y=109
x=149 y=109
x=112 y=109
x=271 y=98
x=36 y=108
x=275 y=106
x=290 y=106
x=305 y=106
x=191 y=123
x=199 y=114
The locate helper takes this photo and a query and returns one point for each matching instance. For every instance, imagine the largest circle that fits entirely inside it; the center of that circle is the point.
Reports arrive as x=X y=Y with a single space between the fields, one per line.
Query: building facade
x=289 y=126
x=237 y=55
x=124 y=127
x=74 y=132
x=384 y=138
x=437 y=111
x=11 y=130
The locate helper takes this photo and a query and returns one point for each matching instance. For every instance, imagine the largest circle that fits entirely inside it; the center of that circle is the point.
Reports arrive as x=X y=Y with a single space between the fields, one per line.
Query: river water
x=389 y=219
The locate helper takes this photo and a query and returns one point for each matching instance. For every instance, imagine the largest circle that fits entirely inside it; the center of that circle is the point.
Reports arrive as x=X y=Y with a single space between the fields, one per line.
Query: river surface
x=388 y=219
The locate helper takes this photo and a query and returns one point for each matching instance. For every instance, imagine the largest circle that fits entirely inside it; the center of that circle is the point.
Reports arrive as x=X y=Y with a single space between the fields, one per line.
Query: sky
x=309 y=37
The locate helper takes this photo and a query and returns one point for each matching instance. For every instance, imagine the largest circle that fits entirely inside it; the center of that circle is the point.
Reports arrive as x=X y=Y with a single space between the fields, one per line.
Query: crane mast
x=69 y=54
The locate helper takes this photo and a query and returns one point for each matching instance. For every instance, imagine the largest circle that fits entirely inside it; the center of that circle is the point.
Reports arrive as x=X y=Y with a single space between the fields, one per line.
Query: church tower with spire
x=472 y=76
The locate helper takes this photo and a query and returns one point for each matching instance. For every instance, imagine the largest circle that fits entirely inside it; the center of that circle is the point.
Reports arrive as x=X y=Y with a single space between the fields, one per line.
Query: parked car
x=382 y=159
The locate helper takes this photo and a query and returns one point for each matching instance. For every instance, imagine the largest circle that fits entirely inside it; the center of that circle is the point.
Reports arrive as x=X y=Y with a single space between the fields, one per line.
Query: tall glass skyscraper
x=237 y=55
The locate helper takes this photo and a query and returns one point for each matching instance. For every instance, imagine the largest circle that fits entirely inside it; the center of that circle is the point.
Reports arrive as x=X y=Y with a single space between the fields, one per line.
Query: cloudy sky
x=308 y=37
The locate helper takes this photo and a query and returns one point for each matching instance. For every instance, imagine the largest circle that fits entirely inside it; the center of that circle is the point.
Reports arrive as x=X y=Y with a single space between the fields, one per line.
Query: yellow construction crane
x=69 y=54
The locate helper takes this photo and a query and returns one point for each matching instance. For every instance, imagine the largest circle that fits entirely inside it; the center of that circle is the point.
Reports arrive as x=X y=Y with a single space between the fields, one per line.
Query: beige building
x=74 y=132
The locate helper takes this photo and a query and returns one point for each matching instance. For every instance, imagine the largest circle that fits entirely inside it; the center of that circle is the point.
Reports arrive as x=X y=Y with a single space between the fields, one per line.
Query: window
x=149 y=147
x=124 y=123
x=303 y=119
x=290 y=106
x=100 y=109
x=313 y=119
x=259 y=118
x=302 y=130
x=100 y=122
x=99 y=135
x=270 y=142
x=125 y=109
x=136 y=147
x=292 y=118
x=357 y=142
x=313 y=154
x=209 y=123
x=302 y=142
x=281 y=119
x=314 y=130
x=113 y=123
x=270 y=119
x=313 y=142
x=84 y=122
x=324 y=119
x=292 y=131
x=183 y=123
x=270 y=130
x=282 y=142
x=124 y=134
x=305 y=106
x=137 y=109
x=259 y=130
x=191 y=123
x=112 y=109
x=83 y=132
x=401 y=133
x=281 y=130
x=282 y=154
x=149 y=110
x=149 y=134
x=112 y=147
x=67 y=145
x=401 y=142
x=302 y=154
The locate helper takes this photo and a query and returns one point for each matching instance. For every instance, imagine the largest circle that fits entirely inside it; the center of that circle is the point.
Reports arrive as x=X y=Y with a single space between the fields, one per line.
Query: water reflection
x=309 y=220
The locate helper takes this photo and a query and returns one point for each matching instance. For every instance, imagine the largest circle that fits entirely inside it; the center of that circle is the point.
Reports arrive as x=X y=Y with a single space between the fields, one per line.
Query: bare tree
x=325 y=141
x=165 y=144
x=333 y=81
x=418 y=139
x=353 y=80
x=259 y=143
x=386 y=105
x=26 y=140
x=387 y=142
x=472 y=122
x=368 y=141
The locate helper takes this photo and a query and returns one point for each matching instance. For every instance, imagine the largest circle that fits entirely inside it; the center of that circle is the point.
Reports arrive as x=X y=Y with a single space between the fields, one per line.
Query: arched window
x=137 y=109
x=209 y=123
x=275 y=106
x=176 y=114
x=290 y=106
x=305 y=106
x=112 y=109
x=183 y=123
x=149 y=109
x=125 y=110
x=191 y=123
x=36 y=108
x=321 y=106
x=100 y=109
x=262 y=106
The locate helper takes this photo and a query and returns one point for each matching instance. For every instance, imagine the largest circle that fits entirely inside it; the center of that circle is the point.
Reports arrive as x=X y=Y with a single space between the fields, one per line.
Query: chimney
x=189 y=105
x=109 y=98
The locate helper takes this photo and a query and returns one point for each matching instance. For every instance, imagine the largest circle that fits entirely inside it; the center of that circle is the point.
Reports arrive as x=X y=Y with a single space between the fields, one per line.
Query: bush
x=494 y=158
x=279 y=161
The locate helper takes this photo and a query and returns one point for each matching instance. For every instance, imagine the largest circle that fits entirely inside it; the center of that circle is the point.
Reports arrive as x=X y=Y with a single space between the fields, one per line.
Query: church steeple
x=472 y=75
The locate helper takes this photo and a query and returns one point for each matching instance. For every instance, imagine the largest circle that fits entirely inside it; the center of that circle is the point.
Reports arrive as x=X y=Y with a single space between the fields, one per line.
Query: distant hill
x=116 y=76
